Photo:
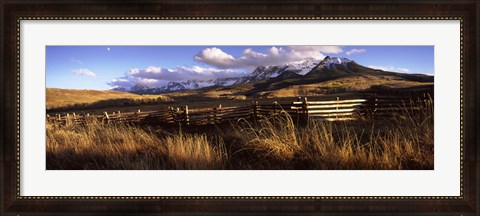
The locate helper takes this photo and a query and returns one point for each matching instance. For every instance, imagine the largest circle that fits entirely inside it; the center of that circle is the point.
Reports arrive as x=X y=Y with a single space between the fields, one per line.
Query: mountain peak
x=328 y=61
x=303 y=66
x=300 y=67
x=138 y=87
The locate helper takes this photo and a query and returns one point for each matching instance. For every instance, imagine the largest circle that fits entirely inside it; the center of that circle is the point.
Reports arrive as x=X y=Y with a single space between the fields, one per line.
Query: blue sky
x=106 y=67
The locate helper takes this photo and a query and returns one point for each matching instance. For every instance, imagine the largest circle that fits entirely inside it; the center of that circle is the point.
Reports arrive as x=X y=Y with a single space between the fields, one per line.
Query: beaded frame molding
x=18 y=89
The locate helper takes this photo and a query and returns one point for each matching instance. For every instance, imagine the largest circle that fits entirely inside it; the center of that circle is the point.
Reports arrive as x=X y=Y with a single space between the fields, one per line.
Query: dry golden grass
x=213 y=91
x=347 y=84
x=119 y=146
x=57 y=98
x=402 y=141
x=220 y=93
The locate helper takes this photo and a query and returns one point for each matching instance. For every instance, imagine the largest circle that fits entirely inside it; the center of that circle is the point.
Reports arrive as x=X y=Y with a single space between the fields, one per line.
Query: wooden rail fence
x=302 y=111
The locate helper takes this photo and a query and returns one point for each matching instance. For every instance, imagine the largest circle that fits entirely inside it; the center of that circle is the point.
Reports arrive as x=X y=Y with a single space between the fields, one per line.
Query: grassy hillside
x=339 y=85
x=57 y=98
x=307 y=87
x=321 y=81
x=318 y=82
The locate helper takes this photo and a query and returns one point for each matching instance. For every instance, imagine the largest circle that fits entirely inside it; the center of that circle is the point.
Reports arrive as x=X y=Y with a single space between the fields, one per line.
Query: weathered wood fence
x=302 y=111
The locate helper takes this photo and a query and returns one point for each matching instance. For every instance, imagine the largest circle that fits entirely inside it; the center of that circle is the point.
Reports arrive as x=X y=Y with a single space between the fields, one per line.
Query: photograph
x=239 y=107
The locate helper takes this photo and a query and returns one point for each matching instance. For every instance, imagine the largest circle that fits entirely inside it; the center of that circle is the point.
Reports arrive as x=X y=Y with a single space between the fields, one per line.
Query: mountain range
x=178 y=86
x=306 y=71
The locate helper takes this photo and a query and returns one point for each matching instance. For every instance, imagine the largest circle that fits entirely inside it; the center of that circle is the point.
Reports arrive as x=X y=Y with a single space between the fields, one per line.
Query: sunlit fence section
x=302 y=111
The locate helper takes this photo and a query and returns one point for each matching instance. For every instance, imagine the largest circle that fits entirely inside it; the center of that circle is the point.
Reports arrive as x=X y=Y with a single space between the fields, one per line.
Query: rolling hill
x=56 y=97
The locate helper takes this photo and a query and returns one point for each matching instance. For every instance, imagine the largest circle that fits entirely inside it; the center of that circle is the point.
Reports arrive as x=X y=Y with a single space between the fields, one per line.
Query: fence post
x=373 y=104
x=177 y=114
x=216 y=114
x=187 y=119
x=67 y=119
x=75 y=118
x=338 y=100
x=305 y=117
x=107 y=117
x=254 y=110
x=297 y=113
x=120 y=118
x=169 y=114
x=275 y=104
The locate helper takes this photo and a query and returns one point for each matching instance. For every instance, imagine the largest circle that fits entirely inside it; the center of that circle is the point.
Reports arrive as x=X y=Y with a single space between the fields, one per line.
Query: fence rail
x=302 y=110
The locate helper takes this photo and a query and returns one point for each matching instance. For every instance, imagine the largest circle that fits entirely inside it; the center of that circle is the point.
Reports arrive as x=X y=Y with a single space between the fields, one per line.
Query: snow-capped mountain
x=304 y=66
x=138 y=87
x=330 y=63
x=300 y=68
x=182 y=85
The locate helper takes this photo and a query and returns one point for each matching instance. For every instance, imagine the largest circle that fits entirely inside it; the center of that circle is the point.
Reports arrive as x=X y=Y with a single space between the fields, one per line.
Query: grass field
x=399 y=142
x=344 y=84
x=77 y=99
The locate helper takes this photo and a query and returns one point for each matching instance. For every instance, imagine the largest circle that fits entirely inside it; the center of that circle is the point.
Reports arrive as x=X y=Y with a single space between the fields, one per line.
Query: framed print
x=239 y=108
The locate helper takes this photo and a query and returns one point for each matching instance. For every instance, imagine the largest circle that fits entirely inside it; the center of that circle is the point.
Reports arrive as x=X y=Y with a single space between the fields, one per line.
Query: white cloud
x=353 y=51
x=181 y=73
x=123 y=82
x=271 y=56
x=379 y=67
x=153 y=76
x=390 y=68
x=215 y=56
x=322 y=49
x=84 y=72
x=403 y=70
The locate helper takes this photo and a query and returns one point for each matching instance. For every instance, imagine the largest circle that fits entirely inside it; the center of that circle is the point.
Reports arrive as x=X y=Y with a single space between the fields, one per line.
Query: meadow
x=398 y=142
x=68 y=99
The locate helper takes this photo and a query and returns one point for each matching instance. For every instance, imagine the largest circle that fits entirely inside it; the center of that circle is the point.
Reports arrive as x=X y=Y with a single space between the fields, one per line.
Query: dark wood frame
x=466 y=204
